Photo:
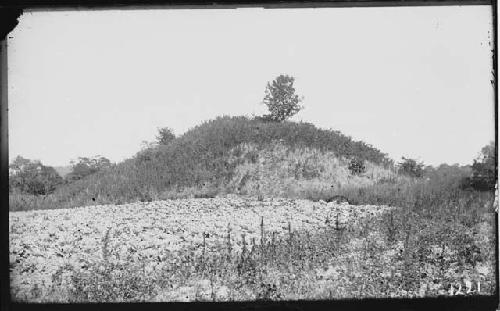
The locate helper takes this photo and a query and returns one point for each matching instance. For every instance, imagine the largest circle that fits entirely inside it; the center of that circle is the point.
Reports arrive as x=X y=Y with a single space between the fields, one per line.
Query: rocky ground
x=44 y=243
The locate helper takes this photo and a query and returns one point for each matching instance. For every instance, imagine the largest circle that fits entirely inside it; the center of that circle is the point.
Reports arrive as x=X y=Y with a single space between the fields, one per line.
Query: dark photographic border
x=10 y=10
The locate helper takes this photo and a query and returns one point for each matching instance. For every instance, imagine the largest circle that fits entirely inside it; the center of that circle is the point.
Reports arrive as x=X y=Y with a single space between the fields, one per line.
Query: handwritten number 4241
x=468 y=288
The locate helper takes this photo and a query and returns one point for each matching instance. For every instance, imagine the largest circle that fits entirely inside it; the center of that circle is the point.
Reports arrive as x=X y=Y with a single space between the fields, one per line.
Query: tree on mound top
x=281 y=99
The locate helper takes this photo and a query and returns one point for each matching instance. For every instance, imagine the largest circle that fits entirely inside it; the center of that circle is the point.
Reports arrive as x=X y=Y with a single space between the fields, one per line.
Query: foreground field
x=236 y=249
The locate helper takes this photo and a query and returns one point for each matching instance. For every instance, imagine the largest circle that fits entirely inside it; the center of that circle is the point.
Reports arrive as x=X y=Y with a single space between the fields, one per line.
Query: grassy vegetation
x=437 y=234
x=205 y=159
x=440 y=236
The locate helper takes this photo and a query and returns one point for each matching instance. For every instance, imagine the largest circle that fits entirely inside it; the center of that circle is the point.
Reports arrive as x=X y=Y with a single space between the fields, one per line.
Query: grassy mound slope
x=225 y=155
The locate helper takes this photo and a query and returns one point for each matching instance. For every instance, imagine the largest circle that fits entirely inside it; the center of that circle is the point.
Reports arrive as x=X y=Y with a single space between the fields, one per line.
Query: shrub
x=165 y=136
x=357 y=166
x=32 y=177
x=411 y=168
x=484 y=169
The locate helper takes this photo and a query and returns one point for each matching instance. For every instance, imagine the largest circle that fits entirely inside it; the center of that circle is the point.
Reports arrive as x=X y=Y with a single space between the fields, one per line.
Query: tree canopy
x=32 y=177
x=484 y=175
x=165 y=136
x=411 y=167
x=85 y=166
x=281 y=100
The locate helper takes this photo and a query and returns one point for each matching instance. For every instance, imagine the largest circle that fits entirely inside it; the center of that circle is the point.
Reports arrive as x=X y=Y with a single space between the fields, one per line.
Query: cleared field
x=48 y=248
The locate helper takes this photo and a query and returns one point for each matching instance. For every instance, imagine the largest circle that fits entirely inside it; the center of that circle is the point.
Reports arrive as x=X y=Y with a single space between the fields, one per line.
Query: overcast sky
x=411 y=81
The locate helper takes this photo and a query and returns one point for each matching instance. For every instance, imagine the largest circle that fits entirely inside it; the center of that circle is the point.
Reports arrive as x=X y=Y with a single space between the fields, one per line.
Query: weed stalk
x=228 y=241
x=105 y=252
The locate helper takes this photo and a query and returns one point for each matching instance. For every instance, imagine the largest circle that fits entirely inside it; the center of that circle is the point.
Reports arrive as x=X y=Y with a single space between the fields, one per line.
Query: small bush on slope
x=357 y=166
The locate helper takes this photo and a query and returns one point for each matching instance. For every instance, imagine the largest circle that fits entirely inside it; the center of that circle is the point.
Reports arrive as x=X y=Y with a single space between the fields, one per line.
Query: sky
x=411 y=81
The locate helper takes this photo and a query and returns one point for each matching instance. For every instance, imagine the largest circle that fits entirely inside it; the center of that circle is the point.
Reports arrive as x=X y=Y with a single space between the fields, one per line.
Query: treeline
x=32 y=177
x=480 y=175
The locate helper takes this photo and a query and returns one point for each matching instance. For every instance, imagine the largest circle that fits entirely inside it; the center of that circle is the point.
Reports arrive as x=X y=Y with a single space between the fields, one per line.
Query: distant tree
x=447 y=174
x=484 y=175
x=86 y=166
x=411 y=167
x=281 y=100
x=165 y=136
x=429 y=171
x=32 y=177
x=18 y=165
x=50 y=179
